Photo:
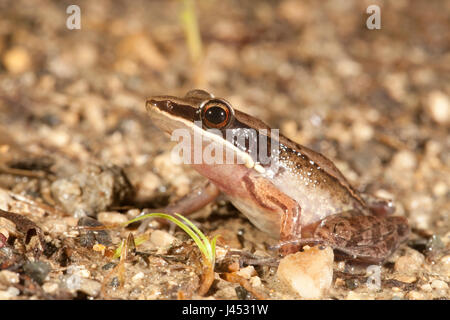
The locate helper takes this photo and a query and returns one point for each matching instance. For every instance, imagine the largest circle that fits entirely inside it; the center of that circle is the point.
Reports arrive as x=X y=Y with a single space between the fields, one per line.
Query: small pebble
x=172 y=173
x=426 y=287
x=294 y=12
x=434 y=244
x=404 y=160
x=4 y=235
x=339 y=282
x=415 y=295
x=247 y=272
x=90 y=287
x=405 y=278
x=50 y=287
x=5 y=199
x=352 y=283
x=17 y=60
x=444 y=265
x=439 y=284
x=10 y=293
x=352 y=295
x=255 y=281
x=38 y=270
x=309 y=273
x=140 y=46
x=289 y=128
x=133 y=213
x=107 y=218
x=162 y=239
x=440 y=189
x=438 y=106
x=7 y=227
x=79 y=271
x=147 y=185
x=362 y=132
x=420 y=207
x=138 y=277
x=8 y=277
x=411 y=262
x=55 y=226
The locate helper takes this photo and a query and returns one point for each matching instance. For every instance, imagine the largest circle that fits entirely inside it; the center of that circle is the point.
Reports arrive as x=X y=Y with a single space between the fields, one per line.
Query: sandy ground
x=75 y=139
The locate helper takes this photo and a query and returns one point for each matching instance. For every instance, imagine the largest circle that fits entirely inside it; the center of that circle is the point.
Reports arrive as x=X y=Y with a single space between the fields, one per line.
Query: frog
x=290 y=192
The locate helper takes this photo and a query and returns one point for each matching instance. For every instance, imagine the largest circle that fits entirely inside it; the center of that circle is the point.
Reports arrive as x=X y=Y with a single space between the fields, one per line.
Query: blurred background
x=377 y=102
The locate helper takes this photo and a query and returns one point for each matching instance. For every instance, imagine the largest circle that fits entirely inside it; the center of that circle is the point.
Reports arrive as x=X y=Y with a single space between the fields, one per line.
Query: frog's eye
x=216 y=114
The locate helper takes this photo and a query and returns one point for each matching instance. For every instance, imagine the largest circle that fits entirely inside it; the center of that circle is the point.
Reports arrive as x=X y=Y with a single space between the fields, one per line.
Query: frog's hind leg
x=269 y=197
x=368 y=239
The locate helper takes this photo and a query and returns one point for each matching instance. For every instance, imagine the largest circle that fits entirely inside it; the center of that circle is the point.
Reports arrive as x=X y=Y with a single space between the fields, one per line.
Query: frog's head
x=195 y=108
x=199 y=112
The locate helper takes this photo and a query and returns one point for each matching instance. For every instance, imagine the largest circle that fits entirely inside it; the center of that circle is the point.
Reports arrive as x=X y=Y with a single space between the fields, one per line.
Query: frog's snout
x=158 y=103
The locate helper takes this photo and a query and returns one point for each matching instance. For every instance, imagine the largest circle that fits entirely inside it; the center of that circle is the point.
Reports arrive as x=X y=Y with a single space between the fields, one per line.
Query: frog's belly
x=317 y=201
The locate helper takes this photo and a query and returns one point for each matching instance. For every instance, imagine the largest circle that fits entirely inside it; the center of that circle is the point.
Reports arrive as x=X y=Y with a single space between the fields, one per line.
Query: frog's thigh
x=268 y=196
x=365 y=238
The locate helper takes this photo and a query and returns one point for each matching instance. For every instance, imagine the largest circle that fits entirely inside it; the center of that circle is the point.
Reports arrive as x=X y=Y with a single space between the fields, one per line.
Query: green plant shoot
x=207 y=247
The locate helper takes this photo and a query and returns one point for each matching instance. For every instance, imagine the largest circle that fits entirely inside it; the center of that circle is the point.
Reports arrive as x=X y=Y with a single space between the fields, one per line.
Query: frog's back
x=306 y=176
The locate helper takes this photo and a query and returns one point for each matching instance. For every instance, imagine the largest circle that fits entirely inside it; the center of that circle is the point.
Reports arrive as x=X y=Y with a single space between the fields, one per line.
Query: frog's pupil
x=216 y=115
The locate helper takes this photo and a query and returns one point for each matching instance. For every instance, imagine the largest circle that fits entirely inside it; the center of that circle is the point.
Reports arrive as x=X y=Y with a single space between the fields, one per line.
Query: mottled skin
x=303 y=199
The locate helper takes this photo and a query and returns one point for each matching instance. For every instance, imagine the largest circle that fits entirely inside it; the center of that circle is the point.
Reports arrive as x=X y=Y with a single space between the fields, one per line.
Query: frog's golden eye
x=216 y=114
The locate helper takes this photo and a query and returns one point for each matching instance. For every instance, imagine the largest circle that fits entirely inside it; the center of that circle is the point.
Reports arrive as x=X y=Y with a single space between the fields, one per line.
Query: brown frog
x=289 y=191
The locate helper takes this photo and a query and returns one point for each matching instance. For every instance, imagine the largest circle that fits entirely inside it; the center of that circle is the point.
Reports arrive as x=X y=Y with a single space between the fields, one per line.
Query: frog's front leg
x=195 y=200
x=269 y=197
x=367 y=239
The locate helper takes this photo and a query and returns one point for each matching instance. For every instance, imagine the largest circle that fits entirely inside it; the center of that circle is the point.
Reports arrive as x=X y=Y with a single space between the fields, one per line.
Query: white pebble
x=138 y=277
x=415 y=295
x=8 y=277
x=10 y=293
x=410 y=262
x=50 y=287
x=161 y=238
x=438 y=107
x=309 y=273
x=404 y=160
x=90 y=287
x=5 y=200
x=108 y=218
x=426 y=287
x=247 y=272
x=8 y=227
x=439 y=284
x=255 y=281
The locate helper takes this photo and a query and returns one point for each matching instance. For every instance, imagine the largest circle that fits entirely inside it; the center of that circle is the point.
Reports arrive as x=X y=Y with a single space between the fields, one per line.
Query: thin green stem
x=207 y=247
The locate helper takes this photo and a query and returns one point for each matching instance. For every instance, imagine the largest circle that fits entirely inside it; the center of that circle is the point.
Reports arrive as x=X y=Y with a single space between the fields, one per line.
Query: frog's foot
x=349 y=253
x=194 y=201
x=247 y=258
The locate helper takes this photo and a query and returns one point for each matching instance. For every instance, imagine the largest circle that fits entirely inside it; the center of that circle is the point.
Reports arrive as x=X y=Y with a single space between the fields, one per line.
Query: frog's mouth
x=166 y=117
x=169 y=115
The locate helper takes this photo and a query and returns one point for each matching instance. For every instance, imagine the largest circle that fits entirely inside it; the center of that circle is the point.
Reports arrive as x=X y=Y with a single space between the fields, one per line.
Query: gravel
x=73 y=122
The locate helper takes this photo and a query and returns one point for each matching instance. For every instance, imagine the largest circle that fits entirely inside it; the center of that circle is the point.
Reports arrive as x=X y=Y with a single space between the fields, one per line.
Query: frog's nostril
x=153 y=104
x=150 y=104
